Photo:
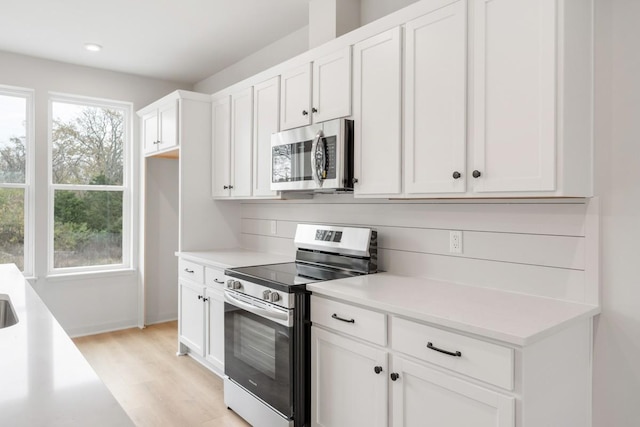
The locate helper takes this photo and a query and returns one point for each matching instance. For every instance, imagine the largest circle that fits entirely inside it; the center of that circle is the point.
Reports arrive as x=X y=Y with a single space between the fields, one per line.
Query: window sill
x=59 y=277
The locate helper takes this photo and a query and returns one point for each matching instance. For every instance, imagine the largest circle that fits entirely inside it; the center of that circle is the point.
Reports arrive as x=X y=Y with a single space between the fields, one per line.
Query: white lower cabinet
x=423 y=375
x=201 y=314
x=214 y=343
x=191 y=315
x=425 y=397
x=349 y=382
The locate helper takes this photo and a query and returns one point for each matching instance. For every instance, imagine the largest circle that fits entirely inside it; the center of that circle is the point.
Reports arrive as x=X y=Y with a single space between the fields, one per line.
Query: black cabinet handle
x=354 y=180
x=476 y=174
x=200 y=297
x=205 y=299
x=335 y=316
x=218 y=281
x=314 y=110
x=450 y=353
x=231 y=187
x=189 y=271
x=394 y=376
x=305 y=113
x=456 y=175
x=377 y=369
x=225 y=187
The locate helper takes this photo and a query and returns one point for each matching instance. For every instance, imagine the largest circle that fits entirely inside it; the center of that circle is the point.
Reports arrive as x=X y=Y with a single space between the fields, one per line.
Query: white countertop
x=510 y=317
x=229 y=258
x=44 y=379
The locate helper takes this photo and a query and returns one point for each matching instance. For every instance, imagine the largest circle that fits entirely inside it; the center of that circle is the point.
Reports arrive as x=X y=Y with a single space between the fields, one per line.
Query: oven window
x=255 y=344
x=291 y=162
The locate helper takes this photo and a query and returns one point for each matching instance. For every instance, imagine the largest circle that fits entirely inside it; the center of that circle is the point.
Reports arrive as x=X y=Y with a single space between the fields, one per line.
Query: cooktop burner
x=288 y=276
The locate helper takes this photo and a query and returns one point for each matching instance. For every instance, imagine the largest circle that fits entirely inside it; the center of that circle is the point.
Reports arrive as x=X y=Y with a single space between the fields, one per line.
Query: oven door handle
x=269 y=314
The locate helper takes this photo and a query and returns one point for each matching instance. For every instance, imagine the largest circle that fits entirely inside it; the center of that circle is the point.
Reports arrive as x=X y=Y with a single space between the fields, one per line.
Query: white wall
x=617 y=334
x=161 y=236
x=90 y=303
x=288 y=47
x=370 y=10
x=277 y=52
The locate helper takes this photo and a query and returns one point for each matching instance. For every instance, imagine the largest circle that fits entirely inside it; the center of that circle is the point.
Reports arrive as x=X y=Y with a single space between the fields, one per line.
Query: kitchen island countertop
x=44 y=379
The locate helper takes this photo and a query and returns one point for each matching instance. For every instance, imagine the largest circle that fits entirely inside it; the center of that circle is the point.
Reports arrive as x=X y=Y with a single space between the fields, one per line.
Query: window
x=90 y=194
x=16 y=130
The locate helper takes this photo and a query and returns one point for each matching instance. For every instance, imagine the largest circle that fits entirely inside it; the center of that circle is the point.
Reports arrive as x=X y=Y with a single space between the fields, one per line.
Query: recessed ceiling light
x=92 y=47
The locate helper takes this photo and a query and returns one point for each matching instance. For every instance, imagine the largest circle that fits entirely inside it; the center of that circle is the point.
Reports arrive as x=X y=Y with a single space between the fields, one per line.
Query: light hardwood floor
x=153 y=385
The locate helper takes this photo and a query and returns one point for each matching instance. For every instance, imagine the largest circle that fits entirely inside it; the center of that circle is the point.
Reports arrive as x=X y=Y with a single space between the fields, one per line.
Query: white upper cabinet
x=531 y=98
x=332 y=86
x=232 y=119
x=241 y=142
x=295 y=102
x=221 y=149
x=377 y=114
x=317 y=91
x=514 y=81
x=160 y=128
x=266 y=102
x=435 y=101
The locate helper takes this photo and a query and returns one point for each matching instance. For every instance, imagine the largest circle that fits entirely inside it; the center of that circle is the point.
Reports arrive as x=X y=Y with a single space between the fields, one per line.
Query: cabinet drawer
x=478 y=359
x=191 y=270
x=214 y=278
x=359 y=322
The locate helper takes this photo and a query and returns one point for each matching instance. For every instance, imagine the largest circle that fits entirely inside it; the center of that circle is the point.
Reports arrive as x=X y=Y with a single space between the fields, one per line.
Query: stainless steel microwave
x=318 y=157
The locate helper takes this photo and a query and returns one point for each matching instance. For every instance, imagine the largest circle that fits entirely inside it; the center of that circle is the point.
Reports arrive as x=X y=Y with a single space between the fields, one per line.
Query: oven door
x=258 y=342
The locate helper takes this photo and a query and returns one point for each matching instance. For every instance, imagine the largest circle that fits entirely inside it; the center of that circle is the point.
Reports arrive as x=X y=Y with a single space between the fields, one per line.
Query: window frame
x=126 y=188
x=28 y=185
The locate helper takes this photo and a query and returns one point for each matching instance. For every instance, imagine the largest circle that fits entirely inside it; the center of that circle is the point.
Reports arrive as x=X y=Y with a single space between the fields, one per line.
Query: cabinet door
x=295 y=98
x=435 y=102
x=150 y=133
x=377 y=115
x=214 y=350
x=191 y=317
x=346 y=391
x=221 y=140
x=266 y=120
x=514 y=85
x=241 y=142
x=168 y=123
x=426 y=397
x=332 y=86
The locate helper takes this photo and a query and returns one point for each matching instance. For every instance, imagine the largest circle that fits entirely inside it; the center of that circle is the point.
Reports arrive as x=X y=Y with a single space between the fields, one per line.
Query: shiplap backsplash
x=538 y=247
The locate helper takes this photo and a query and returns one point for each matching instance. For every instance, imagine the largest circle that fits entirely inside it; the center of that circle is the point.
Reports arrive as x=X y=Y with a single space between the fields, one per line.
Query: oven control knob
x=237 y=284
x=265 y=294
x=230 y=283
x=274 y=297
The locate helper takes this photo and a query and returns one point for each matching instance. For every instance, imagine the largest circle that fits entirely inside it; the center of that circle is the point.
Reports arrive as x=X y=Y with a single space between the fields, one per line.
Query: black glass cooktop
x=287 y=277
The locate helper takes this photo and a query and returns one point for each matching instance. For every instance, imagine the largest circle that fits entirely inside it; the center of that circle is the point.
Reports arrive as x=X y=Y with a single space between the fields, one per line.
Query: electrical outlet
x=274 y=227
x=455 y=241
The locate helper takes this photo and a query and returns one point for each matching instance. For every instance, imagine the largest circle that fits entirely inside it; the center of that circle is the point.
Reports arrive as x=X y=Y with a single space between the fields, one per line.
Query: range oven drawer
x=360 y=322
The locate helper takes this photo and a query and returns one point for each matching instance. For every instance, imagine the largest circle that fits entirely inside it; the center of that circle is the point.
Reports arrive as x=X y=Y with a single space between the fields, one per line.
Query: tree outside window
x=15 y=107
x=88 y=174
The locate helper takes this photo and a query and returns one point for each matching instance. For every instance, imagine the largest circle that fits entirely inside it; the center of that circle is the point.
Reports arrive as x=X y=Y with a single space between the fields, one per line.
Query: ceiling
x=179 y=40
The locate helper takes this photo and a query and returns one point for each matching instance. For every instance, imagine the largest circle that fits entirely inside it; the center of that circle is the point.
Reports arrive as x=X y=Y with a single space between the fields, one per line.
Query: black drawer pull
x=335 y=316
x=394 y=376
x=377 y=369
x=218 y=282
x=450 y=353
x=189 y=271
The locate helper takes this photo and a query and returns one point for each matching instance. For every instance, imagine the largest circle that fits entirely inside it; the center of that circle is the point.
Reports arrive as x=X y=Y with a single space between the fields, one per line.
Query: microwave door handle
x=318 y=160
x=274 y=315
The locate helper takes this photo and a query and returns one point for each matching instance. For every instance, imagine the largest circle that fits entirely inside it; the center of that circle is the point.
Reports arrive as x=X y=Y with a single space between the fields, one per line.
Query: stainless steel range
x=267 y=326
